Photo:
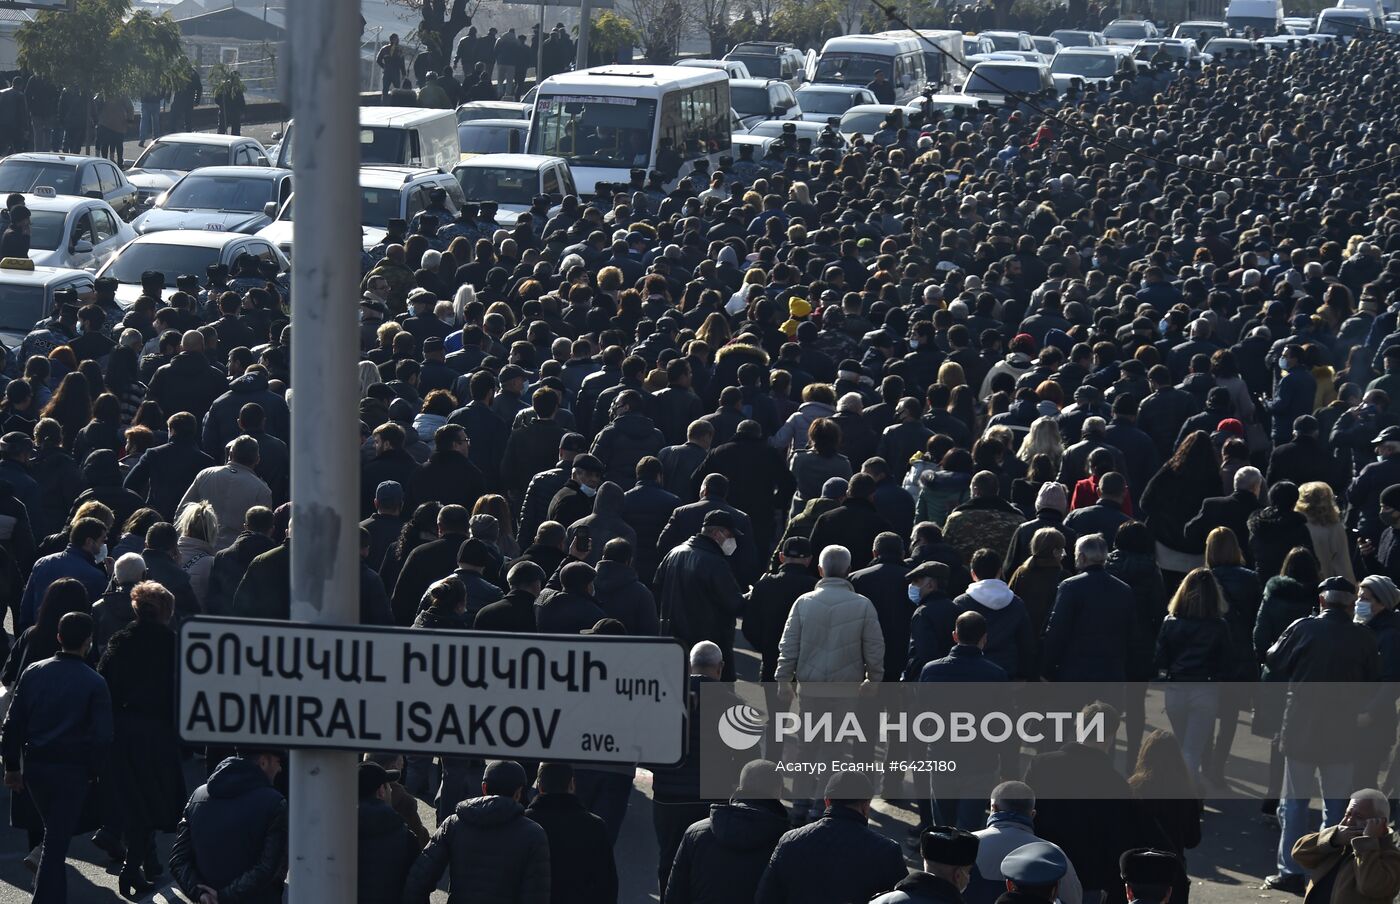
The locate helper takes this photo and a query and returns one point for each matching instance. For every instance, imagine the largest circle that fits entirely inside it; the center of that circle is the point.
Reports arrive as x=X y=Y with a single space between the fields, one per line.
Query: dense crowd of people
x=1098 y=393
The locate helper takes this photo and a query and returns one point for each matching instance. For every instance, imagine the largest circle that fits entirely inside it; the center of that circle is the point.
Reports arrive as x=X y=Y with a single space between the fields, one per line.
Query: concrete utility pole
x=585 y=27
x=324 y=37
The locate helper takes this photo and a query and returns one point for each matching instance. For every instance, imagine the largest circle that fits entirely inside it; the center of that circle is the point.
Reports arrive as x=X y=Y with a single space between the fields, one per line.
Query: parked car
x=70 y=174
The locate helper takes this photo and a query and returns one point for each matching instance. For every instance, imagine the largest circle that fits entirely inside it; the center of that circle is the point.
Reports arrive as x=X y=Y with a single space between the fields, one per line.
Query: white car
x=992 y=79
x=386 y=193
x=76 y=233
x=1130 y=31
x=1091 y=65
x=822 y=102
x=493 y=109
x=491 y=136
x=177 y=252
x=1216 y=48
x=774 y=128
x=169 y=157
x=1182 y=51
x=734 y=68
x=1009 y=40
x=513 y=181
x=1073 y=37
x=756 y=99
x=760 y=144
x=26 y=294
x=977 y=45
x=865 y=119
x=1047 y=45
x=218 y=199
x=1201 y=31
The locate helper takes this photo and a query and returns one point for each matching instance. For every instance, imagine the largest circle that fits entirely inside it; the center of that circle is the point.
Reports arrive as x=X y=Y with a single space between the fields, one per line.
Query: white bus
x=854 y=60
x=610 y=120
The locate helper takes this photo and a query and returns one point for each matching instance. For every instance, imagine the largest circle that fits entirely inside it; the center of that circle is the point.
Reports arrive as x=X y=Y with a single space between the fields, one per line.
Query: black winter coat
x=1170 y=501
x=581 y=865
x=1272 y=534
x=494 y=853
x=621 y=595
x=1285 y=601
x=59 y=482
x=529 y=450
x=139 y=664
x=566 y=612
x=188 y=383
x=430 y=562
x=228 y=569
x=233 y=837
x=623 y=443
x=930 y=634
x=162 y=474
x=489 y=435
x=1093 y=833
x=1319 y=726
x=854 y=524
x=686 y=522
x=1194 y=649
x=646 y=508
x=1140 y=572
x=1231 y=511
x=697 y=595
x=396 y=465
x=1243 y=594
x=720 y=859
x=1103 y=517
x=534 y=509
x=387 y=850
x=759 y=480
x=769 y=603
x=835 y=860
x=885 y=585
x=513 y=613
x=603 y=523
x=221 y=423
x=448 y=478
x=1090 y=629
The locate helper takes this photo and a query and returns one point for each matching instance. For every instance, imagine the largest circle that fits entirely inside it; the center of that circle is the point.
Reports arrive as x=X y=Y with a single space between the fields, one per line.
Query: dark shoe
x=109 y=844
x=1294 y=884
x=31 y=861
x=132 y=885
x=152 y=868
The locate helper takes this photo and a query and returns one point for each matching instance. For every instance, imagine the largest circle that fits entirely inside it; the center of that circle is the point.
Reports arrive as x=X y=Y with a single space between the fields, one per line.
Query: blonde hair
x=387 y=331
x=754 y=277
x=198 y=520
x=1198 y=596
x=1044 y=437
x=1223 y=548
x=950 y=374
x=1315 y=500
x=94 y=509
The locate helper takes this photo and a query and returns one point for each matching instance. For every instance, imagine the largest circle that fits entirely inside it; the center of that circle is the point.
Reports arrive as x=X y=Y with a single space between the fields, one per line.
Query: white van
x=399 y=136
x=1264 y=16
x=1374 y=7
x=940 y=72
x=1346 y=23
x=854 y=60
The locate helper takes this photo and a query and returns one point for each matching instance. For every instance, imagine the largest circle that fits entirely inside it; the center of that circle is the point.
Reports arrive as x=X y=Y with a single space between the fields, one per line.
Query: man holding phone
x=1355 y=860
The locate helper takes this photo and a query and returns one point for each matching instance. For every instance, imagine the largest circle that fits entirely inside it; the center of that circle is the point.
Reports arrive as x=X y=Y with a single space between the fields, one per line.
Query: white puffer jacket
x=832 y=635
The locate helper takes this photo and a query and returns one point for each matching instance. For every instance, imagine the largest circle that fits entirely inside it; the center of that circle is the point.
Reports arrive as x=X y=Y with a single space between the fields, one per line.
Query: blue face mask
x=915 y=594
x=1363 y=611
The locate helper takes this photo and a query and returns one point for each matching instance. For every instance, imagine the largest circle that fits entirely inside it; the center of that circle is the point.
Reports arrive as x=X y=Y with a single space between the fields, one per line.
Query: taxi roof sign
x=17 y=263
x=45 y=191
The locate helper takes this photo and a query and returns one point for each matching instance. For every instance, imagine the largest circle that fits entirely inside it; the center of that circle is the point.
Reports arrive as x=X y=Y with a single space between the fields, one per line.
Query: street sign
x=557 y=697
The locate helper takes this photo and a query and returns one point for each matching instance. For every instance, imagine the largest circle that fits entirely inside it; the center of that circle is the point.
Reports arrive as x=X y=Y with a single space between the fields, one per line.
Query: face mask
x=102 y=553
x=587 y=490
x=913 y=343
x=728 y=546
x=1363 y=612
x=915 y=594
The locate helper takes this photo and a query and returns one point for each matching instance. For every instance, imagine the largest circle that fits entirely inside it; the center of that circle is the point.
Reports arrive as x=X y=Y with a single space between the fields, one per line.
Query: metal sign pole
x=539 y=50
x=585 y=27
x=325 y=432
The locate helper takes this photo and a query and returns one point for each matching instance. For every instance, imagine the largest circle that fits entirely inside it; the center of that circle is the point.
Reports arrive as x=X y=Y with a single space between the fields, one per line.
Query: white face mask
x=587 y=490
x=728 y=546
x=102 y=553
x=1363 y=612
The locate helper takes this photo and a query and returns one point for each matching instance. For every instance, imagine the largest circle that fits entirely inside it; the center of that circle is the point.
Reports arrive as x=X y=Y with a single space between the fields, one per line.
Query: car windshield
x=377 y=207
x=182 y=156
x=866 y=122
x=170 y=260
x=1346 y=26
x=815 y=100
x=27 y=175
x=1089 y=65
x=199 y=192
x=488 y=112
x=1125 y=30
x=499 y=184
x=1260 y=25
x=1221 y=45
x=853 y=68
x=20 y=306
x=477 y=139
x=1024 y=81
x=1148 y=51
x=1200 y=32
x=1073 y=38
x=760 y=66
x=594 y=131
x=1005 y=42
x=383 y=144
x=46 y=229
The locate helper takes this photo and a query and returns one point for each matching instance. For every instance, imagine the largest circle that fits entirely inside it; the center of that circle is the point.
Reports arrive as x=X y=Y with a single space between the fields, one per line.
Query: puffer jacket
x=188 y=383
x=1015 y=364
x=1193 y=649
x=495 y=853
x=221 y=424
x=721 y=858
x=1011 y=642
x=623 y=443
x=1285 y=601
x=832 y=635
x=940 y=492
x=233 y=837
x=834 y=860
x=793 y=432
x=102 y=479
x=1272 y=534
x=604 y=524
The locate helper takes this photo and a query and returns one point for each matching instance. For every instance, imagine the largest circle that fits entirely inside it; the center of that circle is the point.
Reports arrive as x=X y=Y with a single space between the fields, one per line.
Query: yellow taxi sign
x=17 y=263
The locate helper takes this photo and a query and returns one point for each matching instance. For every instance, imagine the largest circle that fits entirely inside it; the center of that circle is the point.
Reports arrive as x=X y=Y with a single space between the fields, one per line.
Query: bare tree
x=712 y=17
x=440 y=21
x=659 y=24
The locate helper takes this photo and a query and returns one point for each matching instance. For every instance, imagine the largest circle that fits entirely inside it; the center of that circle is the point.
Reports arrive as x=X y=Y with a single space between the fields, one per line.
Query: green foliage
x=98 y=47
x=224 y=83
x=612 y=33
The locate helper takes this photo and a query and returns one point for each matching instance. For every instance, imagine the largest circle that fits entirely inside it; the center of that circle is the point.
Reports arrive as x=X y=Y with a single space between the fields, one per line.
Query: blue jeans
x=150 y=122
x=1191 y=709
x=58 y=792
x=1299 y=787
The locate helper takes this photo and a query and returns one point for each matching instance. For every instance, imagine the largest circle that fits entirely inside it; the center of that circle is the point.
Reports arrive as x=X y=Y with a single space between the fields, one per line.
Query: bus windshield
x=594 y=131
x=853 y=68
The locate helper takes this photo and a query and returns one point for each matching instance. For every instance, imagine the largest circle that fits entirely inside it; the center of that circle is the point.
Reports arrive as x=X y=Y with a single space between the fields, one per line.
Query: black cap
x=721 y=518
x=474 y=552
x=606 y=626
x=573 y=442
x=1388 y=435
x=1146 y=866
x=589 y=463
x=936 y=570
x=948 y=845
x=1337 y=583
x=16 y=441
x=797 y=548
x=374 y=776
x=1390 y=496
